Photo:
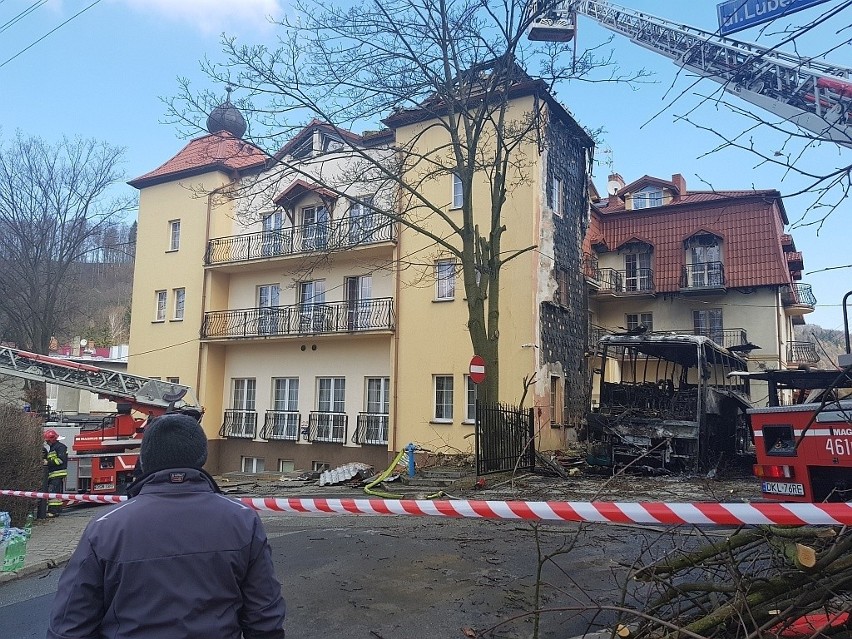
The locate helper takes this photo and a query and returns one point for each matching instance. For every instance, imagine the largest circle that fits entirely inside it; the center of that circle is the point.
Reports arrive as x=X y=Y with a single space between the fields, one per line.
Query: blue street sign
x=736 y=15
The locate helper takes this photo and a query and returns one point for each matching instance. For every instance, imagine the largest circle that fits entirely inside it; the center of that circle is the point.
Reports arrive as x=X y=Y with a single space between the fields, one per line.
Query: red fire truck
x=804 y=449
x=105 y=450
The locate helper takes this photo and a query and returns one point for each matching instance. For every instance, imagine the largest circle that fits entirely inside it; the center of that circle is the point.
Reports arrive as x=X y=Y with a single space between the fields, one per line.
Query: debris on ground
x=351 y=472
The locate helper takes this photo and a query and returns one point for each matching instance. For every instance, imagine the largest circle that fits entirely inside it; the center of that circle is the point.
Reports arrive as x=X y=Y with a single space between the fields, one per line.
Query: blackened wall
x=564 y=318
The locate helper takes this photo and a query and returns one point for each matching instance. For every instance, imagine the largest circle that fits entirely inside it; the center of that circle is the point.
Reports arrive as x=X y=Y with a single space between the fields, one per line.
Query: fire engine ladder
x=112 y=385
x=815 y=96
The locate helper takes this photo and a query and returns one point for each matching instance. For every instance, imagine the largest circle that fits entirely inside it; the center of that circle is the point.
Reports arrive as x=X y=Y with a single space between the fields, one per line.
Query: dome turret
x=227 y=117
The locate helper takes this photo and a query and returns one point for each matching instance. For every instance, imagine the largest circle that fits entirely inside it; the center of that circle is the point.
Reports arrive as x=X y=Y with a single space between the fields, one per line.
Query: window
x=272 y=239
x=286 y=465
x=470 y=403
x=319 y=466
x=648 y=197
x=445 y=279
x=252 y=464
x=315 y=223
x=377 y=407
x=52 y=396
x=708 y=322
x=268 y=299
x=443 y=398
x=705 y=261
x=359 y=289
x=312 y=309
x=458 y=192
x=556 y=402
x=173 y=380
x=180 y=302
x=362 y=221
x=174 y=235
x=635 y=320
x=285 y=404
x=556 y=196
x=160 y=313
x=242 y=414
x=561 y=296
x=637 y=272
x=331 y=400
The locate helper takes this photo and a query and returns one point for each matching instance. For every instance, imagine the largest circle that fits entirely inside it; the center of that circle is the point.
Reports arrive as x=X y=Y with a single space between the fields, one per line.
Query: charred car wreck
x=666 y=401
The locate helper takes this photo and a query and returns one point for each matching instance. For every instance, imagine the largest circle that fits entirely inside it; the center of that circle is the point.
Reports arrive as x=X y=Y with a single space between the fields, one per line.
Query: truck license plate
x=103 y=487
x=781 y=488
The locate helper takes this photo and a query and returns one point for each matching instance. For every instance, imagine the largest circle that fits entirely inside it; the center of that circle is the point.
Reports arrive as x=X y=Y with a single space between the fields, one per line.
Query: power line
x=30 y=46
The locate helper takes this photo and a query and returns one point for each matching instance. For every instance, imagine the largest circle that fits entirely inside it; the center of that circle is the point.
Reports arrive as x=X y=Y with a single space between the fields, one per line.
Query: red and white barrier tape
x=701 y=514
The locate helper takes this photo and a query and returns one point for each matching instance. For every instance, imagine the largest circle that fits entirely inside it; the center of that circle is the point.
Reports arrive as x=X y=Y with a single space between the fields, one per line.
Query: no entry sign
x=477 y=369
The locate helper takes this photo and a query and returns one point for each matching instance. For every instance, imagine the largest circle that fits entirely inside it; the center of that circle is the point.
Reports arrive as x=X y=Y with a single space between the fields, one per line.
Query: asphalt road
x=431 y=578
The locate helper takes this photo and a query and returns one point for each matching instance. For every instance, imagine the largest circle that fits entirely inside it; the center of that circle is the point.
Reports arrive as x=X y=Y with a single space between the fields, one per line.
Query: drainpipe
x=395 y=363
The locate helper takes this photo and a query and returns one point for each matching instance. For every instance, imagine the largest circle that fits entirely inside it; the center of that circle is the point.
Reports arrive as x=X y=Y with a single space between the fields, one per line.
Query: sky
x=100 y=68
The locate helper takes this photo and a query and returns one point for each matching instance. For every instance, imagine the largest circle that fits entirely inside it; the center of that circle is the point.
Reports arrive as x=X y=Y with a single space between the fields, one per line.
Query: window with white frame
x=377 y=409
x=470 y=403
x=443 y=386
x=252 y=464
x=363 y=221
x=174 y=235
x=648 y=197
x=243 y=417
x=637 y=270
x=331 y=409
x=556 y=196
x=52 y=396
x=458 y=191
x=635 y=320
x=708 y=322
x=285 y=407
x=445 y=279
x=286 y=465
x=180 y=302
x=160 y=308
x=268 y=300
x=704 y=259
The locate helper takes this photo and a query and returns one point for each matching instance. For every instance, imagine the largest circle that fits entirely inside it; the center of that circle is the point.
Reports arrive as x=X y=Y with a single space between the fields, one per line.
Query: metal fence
x=505 y=438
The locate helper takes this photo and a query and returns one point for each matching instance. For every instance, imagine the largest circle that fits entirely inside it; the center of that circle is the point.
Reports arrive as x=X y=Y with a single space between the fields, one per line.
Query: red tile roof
x=214 y=152
x=297 y=189
x=750 y=223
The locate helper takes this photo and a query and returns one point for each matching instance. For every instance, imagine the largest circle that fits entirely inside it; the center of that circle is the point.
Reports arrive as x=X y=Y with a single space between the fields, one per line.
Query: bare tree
x=54 y=199
x=454 y=63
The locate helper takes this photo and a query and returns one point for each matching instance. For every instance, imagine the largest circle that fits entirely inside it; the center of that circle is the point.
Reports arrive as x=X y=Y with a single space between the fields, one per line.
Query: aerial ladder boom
x=815 y=96
x=143 y=393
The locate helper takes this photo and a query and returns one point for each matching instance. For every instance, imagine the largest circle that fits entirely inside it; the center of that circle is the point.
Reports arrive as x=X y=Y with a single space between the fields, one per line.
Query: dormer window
x=704 y=266
x=648 y=197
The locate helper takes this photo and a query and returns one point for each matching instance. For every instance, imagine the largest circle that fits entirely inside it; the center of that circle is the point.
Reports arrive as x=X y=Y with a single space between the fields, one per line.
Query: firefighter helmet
x=51 y=435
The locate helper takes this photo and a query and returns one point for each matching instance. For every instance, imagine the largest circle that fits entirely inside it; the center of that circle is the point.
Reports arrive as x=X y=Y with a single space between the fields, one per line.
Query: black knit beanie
x=173 y=441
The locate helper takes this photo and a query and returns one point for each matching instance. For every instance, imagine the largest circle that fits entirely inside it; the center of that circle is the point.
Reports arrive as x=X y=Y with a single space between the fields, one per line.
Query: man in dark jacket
x=56 y=465
x=178 y=560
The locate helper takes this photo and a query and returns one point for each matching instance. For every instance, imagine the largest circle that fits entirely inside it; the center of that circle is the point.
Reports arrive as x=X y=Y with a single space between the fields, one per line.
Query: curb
x=35 y=568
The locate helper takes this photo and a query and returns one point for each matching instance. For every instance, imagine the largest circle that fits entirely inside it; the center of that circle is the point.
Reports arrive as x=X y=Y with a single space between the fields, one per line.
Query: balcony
x=725 y=337
x=239 y=424
x=281 y=425
x=801 y=354
x=337 y=235
x=327 y=318
x=327 y=427
x=591 y=269
x=703 y=278
x=798 y=299
x=372 y=428
x=634 y=283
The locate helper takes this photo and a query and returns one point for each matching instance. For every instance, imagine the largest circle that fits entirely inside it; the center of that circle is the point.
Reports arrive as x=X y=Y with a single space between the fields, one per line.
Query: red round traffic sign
x=477 y=369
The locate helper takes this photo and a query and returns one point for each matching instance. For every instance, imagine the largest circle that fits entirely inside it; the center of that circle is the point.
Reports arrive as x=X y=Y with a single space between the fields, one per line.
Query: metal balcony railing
x=802 y=353
x=703 y=275
x=300 y=319
x=799 y=294
x=334 y=235
x=372 y=428
x=281 y=424
x=590 y=266
x=640 y=280
x=327 y=427
x=239 y=424
x=726 y=337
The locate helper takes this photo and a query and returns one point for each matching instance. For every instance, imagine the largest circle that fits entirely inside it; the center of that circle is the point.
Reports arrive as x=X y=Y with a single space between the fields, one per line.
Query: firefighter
x=56 y=461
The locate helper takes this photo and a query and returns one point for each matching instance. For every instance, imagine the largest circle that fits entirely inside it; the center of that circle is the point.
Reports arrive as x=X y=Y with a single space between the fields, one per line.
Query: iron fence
x=281 y=425
x=241 y=424
x=798 y=294
x=371 y=428
x=726 y=337
x=327 y=427
x=702 y=275
x=505 y=438
x=802 y=353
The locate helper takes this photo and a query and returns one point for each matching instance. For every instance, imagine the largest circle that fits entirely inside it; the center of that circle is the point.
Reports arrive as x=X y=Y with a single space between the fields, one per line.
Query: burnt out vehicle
x=667 y=401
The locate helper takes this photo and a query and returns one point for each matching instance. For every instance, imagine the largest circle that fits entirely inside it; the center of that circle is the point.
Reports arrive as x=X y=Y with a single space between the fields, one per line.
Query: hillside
x=829 y=343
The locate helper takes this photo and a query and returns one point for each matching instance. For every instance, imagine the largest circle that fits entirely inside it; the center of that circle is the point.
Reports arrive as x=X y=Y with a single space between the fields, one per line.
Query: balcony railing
x=336 y=235
x=802 y=353
x=726 y=337
x=703 y=276
x=625 y=282
x=281 y=424
x=590 y=266
x=798 y=296
x=372 y=428
x=239 y=424
x=300 y=319
x=327 y=427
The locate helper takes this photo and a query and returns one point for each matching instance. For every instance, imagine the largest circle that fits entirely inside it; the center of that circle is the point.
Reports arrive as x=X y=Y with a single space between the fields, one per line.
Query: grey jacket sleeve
x=263 y=611
x=77 y=609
